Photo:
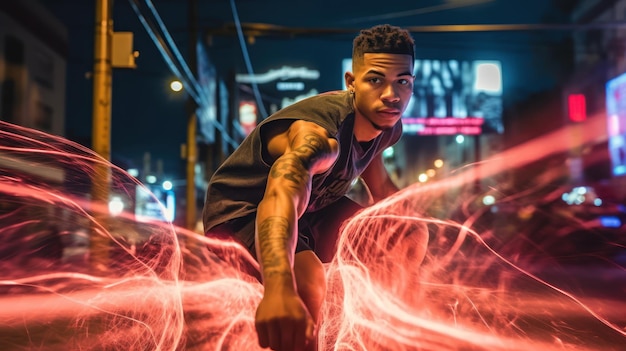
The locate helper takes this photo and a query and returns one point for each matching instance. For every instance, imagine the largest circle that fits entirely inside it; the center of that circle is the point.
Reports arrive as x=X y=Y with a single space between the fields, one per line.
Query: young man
x=292 y=172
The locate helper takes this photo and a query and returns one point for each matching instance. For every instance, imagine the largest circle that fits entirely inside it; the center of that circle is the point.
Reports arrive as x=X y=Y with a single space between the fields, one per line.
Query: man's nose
x=390 y=94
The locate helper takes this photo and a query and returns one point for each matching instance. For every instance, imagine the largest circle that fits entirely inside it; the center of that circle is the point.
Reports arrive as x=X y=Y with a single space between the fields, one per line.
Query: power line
x=175 y=61
x=263 y=29
x=246 y=58
x=418 y=11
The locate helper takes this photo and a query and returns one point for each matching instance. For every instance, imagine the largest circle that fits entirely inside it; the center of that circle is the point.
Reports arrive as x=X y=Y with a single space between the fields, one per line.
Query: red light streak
x=468 y=289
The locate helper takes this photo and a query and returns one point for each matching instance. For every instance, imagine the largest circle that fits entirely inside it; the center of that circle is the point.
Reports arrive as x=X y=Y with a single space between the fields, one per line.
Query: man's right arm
x=302 y=151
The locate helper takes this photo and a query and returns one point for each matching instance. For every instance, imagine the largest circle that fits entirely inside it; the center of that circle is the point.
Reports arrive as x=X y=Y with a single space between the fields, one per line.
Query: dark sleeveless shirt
x=238 y=185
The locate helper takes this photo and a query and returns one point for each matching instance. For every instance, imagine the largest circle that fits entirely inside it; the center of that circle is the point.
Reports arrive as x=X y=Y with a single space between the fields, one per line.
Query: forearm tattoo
x=293 y=171
x=272 y=251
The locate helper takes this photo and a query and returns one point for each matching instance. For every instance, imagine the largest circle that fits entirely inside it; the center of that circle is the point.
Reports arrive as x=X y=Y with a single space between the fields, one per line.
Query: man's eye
x=375 y=80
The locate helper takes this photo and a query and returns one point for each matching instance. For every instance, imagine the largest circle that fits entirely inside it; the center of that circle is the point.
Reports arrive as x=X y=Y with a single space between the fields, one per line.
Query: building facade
x=600 y=57
x=33 y=59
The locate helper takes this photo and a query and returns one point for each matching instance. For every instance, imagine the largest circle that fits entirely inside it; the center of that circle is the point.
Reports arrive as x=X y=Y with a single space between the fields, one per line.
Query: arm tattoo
x=276 y=233
x=291 y=169
x=294 y=167
x=313 y=147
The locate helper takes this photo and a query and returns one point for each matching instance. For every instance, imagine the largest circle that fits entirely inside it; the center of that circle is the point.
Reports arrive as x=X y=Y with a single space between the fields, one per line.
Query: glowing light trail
x=472 y=286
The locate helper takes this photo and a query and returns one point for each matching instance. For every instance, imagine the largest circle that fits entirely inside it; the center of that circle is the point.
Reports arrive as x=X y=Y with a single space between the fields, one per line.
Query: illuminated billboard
x=285 y=84
x=248 y=116
x=153 y=202
x=206 y=112
x=453 y=97
x=616 y=123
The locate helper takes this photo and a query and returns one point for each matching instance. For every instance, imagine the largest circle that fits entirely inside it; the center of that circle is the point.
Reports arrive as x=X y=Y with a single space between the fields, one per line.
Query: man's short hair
x=385 y=39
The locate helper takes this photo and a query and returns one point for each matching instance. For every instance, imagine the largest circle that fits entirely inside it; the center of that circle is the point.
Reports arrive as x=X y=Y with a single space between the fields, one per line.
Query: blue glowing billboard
x=616 y=123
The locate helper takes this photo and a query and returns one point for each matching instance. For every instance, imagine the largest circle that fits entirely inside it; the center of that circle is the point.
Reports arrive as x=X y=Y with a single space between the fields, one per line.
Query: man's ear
x=349 y=79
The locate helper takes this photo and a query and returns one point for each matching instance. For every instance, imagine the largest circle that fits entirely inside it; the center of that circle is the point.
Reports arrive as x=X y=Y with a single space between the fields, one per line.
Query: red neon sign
x=577 y=107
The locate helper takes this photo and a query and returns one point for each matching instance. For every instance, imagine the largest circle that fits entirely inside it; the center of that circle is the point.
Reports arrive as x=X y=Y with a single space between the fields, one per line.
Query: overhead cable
x=175 y=61
x=246 y=57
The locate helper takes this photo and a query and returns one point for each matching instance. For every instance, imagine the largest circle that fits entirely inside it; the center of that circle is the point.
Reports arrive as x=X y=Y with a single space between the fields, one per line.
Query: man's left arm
x=377 y=179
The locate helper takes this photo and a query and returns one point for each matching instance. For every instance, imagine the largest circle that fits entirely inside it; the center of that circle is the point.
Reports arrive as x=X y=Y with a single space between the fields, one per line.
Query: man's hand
x=283 y=322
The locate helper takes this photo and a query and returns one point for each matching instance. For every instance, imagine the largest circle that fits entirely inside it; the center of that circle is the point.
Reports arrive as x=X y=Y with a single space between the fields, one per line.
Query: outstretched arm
x=301 y=151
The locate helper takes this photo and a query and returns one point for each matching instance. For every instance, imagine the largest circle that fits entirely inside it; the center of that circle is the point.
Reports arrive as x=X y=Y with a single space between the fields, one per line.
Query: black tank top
x=238 y=185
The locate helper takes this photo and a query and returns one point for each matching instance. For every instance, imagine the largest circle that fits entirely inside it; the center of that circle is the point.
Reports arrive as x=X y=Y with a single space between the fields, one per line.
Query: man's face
x=382 y=85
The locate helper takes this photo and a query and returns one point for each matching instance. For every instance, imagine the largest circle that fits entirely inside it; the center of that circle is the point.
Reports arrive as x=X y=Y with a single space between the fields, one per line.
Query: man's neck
x=364 y=130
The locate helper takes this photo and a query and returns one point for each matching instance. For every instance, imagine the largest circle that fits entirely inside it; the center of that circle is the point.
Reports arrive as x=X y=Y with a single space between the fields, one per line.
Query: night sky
x=148 y=117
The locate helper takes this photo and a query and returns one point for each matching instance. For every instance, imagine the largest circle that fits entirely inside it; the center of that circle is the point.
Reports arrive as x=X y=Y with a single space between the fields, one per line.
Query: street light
x=167 y=185
x=176 y=85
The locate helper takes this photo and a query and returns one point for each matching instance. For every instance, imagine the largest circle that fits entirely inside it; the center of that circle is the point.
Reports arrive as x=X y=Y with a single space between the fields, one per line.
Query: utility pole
x=99 y=244
x=192 y=147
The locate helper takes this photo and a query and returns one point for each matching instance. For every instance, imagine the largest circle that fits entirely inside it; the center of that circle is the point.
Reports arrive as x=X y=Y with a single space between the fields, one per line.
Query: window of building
x=43 y=117
x=43 y=69
x=13 y=50
x=7 y=101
